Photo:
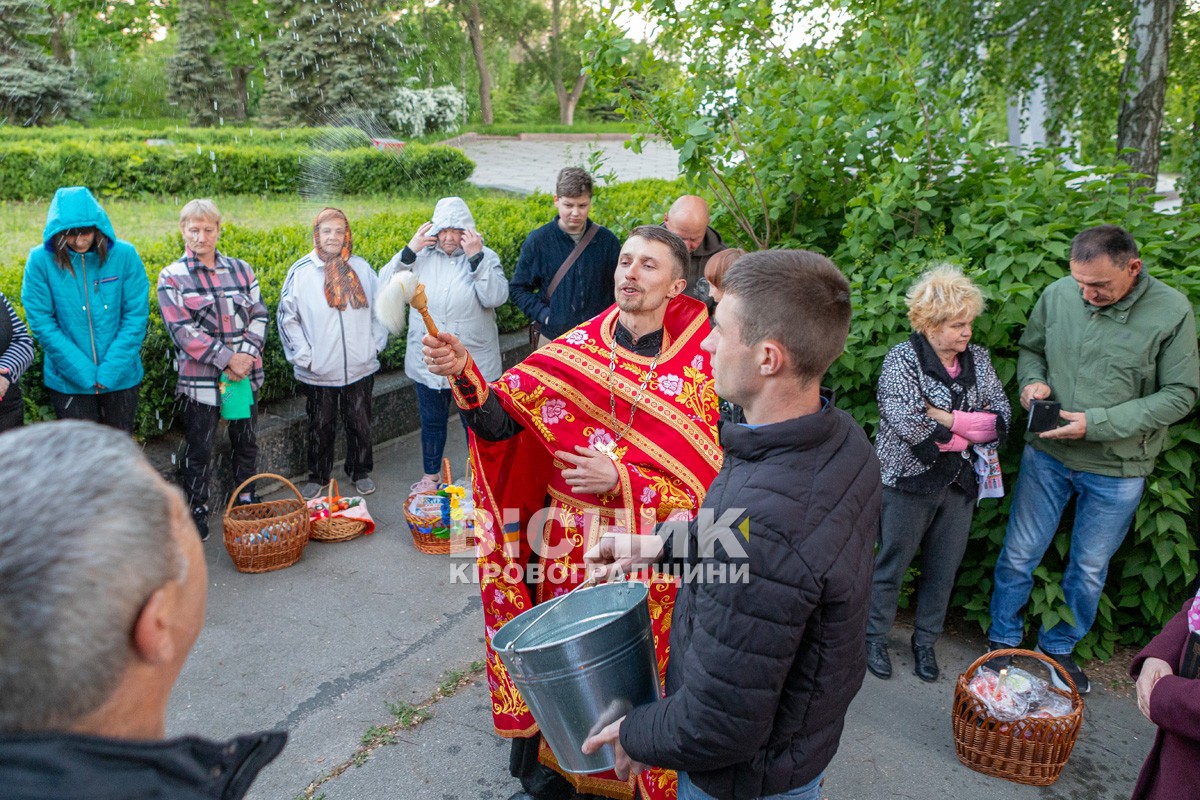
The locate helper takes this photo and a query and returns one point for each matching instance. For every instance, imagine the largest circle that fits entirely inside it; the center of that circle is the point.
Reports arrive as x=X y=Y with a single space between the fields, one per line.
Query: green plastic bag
x=237 y=398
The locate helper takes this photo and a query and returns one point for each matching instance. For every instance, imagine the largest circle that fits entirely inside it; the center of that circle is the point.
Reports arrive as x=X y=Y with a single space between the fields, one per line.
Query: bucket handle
x=550 y=606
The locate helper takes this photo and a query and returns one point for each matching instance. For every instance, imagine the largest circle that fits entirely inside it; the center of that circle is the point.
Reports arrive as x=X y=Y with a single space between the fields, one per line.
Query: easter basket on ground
x=1025 y=744
x=334 y=518
x=261 y=537
x=442 y=521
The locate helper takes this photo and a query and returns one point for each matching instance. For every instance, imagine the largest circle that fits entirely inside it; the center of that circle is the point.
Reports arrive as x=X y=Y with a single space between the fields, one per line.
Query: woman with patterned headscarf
x=332 y=339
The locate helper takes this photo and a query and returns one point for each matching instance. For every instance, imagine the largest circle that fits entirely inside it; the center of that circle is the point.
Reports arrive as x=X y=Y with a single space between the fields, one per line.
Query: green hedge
x=31 y=169
x=329 y=138
x=503 y=222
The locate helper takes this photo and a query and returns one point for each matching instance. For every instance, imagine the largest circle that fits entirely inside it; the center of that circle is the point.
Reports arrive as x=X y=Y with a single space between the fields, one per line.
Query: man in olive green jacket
x=1117 y=348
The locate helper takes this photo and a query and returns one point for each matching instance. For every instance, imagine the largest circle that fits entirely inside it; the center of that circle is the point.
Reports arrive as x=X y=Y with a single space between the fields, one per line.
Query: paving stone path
x=531 y=163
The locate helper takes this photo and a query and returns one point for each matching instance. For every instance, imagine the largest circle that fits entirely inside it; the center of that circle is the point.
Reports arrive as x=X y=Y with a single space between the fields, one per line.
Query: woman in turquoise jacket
x=87 y=302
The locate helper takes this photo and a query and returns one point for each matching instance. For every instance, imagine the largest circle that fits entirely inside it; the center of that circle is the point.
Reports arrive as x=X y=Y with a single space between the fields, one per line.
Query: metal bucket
x=582 y=664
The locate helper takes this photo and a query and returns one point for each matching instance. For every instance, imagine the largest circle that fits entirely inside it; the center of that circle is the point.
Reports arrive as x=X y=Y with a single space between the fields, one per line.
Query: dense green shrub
x=32 y=169
x=862 y=149
x=327 y=138
x=504 y=224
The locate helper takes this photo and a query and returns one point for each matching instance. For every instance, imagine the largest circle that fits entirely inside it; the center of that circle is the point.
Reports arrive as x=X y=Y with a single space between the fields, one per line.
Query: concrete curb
x=283 y=430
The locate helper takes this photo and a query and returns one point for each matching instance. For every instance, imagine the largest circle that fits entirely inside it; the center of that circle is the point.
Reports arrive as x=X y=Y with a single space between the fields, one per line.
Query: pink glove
x=975 y=426
x=956 y=444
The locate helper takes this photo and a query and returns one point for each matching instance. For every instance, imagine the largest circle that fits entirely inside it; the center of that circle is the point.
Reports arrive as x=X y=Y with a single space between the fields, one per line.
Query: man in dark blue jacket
x=764 y=655
x=586 y=288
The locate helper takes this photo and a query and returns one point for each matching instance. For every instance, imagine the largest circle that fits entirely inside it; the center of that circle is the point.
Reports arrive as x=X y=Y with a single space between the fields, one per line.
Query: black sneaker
x=878 y=661
x=200 y=517
x=1067 y=663
x=999 y=662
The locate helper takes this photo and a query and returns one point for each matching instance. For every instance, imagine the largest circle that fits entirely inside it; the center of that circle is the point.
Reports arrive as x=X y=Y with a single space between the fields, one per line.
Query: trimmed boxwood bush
x=326 y=138
x=32 y=169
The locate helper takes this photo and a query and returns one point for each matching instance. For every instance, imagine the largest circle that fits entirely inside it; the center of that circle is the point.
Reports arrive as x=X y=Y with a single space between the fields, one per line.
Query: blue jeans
x=1104 y=508
x=434 y=406
x=809 y=791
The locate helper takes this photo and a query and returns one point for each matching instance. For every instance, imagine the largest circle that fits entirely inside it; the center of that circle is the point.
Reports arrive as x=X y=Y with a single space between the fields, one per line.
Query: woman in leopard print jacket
x=942 y=416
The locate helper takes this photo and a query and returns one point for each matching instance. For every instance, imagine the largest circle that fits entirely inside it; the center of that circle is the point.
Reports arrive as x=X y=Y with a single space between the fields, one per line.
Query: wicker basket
x=261 y=537
x=1031 y=751
x=423 y=526
x=336 y=529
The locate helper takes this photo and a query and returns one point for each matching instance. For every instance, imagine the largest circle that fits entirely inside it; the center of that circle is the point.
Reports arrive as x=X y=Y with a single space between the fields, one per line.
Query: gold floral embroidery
x=532 y=402
x=506 y=700
x=671 y=494
x=697 y=394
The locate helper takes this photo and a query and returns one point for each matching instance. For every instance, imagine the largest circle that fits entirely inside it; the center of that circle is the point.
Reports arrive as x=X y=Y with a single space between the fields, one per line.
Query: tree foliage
x=122 y=26
x=34 y=88
x=331 y=59
x=859 y=146
x=195 y=75
x=552 y=37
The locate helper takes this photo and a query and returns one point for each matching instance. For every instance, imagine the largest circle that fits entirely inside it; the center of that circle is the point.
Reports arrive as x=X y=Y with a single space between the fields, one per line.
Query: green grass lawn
x=149 y=219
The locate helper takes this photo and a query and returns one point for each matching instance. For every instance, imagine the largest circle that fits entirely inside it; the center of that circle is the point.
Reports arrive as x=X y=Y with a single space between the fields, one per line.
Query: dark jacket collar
x=932 y=366
x=799 y=433
x=66 y=765
x=1125 y=303
x=587 y=223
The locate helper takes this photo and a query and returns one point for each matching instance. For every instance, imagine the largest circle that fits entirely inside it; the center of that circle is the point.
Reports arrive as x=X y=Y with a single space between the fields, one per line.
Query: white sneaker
x=364 y=486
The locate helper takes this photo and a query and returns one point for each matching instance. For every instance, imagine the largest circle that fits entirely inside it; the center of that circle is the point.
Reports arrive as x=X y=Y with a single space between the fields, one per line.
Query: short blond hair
x=941 y=294
x=202 y=208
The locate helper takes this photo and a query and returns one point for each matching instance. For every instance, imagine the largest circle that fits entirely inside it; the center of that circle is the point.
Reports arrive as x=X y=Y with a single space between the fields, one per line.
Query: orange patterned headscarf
x=341 y=283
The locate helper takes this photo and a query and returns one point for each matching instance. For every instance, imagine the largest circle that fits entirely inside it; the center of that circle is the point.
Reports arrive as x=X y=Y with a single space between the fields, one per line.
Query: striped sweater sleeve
x=19 y=355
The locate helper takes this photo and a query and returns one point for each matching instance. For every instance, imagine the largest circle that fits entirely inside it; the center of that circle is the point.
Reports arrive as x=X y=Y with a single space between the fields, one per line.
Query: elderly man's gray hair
x=85 y=539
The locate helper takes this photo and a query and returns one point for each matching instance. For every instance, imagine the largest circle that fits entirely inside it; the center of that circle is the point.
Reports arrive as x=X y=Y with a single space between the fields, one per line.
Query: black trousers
x=200 y=424
x=324 y=405
x=115 y=409
x=12 y=410
x=939 y=524
x=536 y=778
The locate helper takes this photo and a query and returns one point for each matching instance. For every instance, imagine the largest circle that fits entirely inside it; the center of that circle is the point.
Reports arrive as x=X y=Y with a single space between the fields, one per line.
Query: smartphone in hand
x=1043 y=415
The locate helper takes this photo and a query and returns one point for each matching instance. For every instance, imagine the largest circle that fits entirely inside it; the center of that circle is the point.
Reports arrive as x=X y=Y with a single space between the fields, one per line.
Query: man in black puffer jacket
x=766 y=640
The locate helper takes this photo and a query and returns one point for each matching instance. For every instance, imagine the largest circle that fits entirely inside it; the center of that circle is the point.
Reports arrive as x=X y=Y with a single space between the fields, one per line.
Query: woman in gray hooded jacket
x=464 y=284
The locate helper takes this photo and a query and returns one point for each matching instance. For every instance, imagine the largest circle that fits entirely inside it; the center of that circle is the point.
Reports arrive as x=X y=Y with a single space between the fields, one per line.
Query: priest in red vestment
x=612 y=425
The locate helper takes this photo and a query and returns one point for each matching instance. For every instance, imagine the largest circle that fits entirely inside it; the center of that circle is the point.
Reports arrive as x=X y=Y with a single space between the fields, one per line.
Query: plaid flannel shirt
x=212 y=314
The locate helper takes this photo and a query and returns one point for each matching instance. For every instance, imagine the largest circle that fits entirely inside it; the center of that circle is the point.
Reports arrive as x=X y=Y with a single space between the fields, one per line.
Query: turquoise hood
x=75 y=207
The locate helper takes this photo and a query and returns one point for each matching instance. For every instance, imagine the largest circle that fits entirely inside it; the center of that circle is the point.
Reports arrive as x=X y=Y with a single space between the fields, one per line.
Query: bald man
x=688 y=219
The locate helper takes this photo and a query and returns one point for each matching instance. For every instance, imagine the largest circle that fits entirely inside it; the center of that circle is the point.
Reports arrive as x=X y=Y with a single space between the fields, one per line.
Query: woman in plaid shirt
x=213 y=311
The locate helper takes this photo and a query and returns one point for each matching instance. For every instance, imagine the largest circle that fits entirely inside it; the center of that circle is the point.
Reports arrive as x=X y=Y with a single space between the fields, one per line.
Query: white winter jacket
x=326 y=346
x=462 y=301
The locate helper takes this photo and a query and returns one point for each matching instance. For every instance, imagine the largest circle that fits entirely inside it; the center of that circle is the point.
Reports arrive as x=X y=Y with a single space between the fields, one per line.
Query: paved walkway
x=531 y=164
x=323 y=647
